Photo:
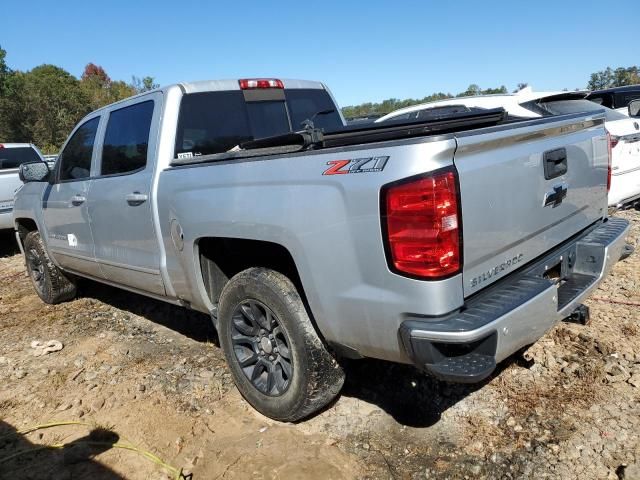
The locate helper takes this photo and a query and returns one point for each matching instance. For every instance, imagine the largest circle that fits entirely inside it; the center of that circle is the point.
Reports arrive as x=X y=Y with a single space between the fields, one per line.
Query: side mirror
x=34 y=172
x=634 y=108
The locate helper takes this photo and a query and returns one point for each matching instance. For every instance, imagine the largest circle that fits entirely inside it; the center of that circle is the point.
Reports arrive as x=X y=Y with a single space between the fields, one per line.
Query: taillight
x=422 y=222
x=612 y=141
x=252 y=83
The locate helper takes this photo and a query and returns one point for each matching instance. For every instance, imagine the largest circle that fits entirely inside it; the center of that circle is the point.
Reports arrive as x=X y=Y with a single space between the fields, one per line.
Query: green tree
x=53 y=102
x=619 y=77
x=143 y=84
x=4 y=70
x=100 y=90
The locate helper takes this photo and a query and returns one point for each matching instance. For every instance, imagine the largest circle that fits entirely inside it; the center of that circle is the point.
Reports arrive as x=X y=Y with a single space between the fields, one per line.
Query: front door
x=126 y=245
x=64 y=207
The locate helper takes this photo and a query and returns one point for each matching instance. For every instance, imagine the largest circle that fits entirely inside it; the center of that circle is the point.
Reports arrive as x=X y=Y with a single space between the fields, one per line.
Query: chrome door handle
x=78 y=200
x=136 y=198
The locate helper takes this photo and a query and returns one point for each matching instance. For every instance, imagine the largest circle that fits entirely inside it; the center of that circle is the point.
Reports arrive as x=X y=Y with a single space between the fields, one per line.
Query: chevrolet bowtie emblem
x=556 y=196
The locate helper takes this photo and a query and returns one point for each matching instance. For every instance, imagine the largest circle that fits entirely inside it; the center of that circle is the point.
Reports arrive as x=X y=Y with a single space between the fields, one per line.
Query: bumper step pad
x=468 y=368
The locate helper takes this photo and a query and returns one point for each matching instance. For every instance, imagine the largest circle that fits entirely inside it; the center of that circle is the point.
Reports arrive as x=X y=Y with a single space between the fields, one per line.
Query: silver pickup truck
x=449 y=244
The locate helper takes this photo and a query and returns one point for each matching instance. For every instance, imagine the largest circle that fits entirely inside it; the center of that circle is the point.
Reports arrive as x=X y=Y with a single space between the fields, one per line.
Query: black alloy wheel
x=261 y=347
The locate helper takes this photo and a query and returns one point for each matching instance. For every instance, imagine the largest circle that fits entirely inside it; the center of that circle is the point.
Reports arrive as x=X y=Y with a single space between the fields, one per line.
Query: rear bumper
x=466 y=345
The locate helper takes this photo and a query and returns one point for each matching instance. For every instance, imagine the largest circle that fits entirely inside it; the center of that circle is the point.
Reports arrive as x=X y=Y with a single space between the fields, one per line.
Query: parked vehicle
x=447 y=244
x=616 y=98
x=12 y=155
x=624 y=132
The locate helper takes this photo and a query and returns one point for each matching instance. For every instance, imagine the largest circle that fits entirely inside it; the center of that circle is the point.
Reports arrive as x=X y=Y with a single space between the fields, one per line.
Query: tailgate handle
x=555 y=163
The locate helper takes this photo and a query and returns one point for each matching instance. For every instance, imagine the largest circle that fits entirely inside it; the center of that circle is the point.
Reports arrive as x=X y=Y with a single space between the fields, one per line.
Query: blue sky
x=364 y=51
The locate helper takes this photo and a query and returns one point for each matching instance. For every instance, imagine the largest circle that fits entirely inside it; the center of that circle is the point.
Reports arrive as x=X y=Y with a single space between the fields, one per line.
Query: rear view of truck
x=448 y=243
x=534 y=240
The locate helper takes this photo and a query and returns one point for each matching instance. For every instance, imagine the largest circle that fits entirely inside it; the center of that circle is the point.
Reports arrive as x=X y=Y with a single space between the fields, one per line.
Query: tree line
x=391 y=104
x=43 y=105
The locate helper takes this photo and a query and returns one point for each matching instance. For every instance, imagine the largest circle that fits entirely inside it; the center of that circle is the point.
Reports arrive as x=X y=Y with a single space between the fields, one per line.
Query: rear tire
x=278 y=361
x=50 y=283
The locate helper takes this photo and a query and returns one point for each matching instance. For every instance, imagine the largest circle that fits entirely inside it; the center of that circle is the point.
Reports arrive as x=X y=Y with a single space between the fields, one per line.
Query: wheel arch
x=220 y=258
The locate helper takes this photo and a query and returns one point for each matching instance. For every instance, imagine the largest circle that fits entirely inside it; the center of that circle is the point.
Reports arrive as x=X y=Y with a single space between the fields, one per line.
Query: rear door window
x=15 y=156
x=75 y=159
x=126 y=140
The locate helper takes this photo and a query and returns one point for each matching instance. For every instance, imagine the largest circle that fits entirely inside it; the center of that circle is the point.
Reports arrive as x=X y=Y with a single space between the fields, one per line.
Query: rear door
x=64 y=205
x=526 y=189
x=120 y=209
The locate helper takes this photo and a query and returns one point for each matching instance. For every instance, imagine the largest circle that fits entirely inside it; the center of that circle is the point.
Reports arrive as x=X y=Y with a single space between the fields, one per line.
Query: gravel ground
x=143 y=373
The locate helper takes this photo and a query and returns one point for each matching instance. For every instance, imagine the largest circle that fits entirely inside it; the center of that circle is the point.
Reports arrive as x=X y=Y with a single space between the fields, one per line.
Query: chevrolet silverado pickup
x=448 y=244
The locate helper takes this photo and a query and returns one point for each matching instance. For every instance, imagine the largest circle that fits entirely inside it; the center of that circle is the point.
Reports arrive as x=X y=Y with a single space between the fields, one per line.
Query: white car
x=12 y=155
x=624 y=131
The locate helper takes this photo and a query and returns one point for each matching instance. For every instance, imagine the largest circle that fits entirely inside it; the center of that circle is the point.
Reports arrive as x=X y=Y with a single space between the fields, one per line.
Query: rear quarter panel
x=329 y=223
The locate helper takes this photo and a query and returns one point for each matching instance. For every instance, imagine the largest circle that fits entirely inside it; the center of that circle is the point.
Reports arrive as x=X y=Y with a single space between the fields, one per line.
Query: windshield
x=563 y=107
x=215 y=122
x=14 y=157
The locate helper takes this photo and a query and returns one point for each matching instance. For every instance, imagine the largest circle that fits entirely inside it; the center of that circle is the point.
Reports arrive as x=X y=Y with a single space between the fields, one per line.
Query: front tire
x=50 y=283
x=278 y=361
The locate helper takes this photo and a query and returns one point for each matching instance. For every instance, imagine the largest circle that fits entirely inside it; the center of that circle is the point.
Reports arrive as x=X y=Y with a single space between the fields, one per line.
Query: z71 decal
x=356 y=165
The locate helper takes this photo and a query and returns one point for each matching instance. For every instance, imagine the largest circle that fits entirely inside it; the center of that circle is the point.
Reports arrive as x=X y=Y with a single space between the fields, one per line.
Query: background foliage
x=43 y=105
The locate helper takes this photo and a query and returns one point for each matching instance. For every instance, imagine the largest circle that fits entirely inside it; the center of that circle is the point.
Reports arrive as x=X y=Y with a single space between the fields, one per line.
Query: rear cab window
x=13 y=157
x=216 y=122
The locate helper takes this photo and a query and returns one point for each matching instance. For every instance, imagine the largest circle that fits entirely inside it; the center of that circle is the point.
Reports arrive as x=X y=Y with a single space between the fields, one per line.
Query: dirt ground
x=138 y=372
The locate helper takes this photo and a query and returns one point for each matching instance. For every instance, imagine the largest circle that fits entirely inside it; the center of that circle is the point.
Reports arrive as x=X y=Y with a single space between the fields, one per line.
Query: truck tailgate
x=525 y=190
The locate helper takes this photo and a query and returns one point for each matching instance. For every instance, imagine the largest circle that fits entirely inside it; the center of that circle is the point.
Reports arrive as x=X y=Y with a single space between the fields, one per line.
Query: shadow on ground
x=195 y=325
x=409 y=396
x=8 y=244
x=19 y=458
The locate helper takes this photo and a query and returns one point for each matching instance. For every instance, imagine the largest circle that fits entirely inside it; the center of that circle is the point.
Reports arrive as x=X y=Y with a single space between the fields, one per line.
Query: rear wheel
x=50 y=283
x=278 y=362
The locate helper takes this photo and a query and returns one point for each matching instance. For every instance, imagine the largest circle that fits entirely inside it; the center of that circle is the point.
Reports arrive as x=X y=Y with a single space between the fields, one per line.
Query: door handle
x=78 y=200
x=136 y=198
